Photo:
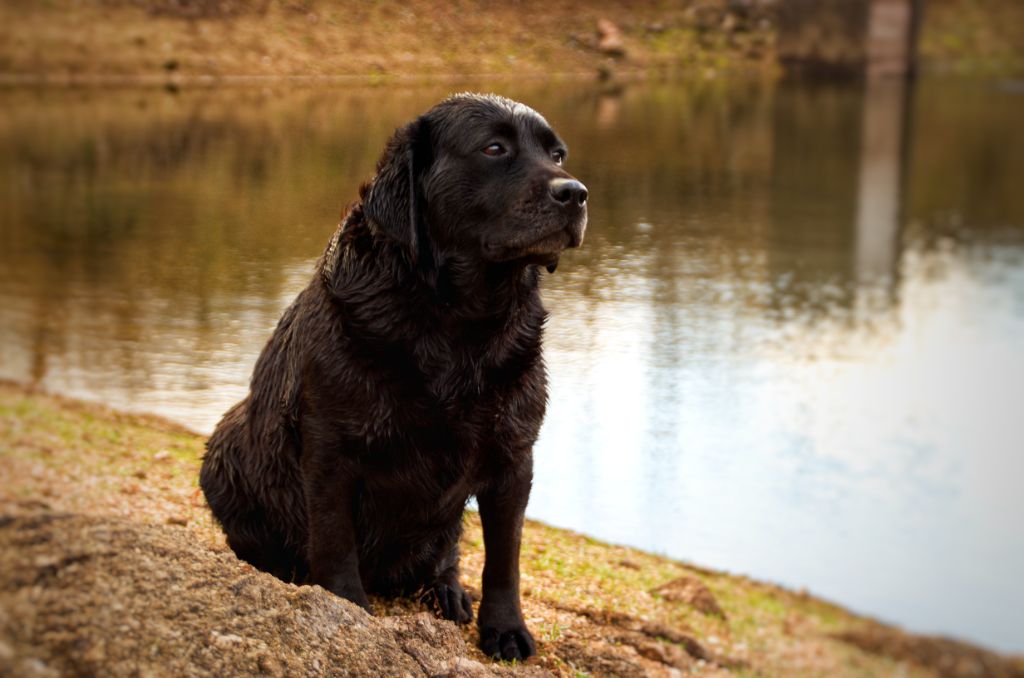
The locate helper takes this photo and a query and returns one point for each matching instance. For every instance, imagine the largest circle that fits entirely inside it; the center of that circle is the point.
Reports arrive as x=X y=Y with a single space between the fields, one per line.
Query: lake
x=792 y=345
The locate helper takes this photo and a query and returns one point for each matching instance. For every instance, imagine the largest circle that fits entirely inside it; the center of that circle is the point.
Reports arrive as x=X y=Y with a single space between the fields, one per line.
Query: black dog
x=408 y=375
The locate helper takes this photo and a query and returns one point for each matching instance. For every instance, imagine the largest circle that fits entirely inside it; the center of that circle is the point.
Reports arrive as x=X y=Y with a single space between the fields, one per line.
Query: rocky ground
x=111 y=565
x=87 y=595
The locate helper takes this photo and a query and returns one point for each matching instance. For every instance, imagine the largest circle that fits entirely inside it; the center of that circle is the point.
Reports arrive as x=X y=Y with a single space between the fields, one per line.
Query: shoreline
x=62 y=456
x=113 y=80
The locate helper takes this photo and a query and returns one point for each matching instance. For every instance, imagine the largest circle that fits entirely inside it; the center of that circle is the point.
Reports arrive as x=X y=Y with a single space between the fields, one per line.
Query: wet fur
x=405 y=378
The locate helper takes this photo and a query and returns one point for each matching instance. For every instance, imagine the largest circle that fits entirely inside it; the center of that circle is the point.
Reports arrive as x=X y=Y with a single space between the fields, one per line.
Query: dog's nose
x=568 y=191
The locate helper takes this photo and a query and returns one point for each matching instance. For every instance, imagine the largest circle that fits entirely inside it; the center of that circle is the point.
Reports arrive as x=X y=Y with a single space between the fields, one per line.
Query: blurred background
x=798 y=317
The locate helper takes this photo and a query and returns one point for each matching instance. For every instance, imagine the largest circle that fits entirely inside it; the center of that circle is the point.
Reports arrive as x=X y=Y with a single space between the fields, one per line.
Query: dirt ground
x=111 y=565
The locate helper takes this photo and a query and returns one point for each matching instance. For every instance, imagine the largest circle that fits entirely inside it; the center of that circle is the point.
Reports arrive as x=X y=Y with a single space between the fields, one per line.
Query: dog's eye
x=494 y=150
x=558 y=156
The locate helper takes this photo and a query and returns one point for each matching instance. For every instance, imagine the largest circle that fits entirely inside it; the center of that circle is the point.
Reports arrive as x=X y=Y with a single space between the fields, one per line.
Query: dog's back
x=250 y=472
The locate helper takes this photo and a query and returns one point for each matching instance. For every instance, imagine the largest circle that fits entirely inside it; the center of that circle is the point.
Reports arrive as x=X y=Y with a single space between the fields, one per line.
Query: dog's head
x=479 y=176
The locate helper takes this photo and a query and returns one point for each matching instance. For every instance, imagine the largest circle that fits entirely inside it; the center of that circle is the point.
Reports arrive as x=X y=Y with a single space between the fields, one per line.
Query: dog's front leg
x=503 y=633
x=329 y=481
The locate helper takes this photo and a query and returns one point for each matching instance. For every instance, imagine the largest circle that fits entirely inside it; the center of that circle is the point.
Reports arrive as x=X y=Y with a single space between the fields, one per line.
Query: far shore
x=251 y=42
x=66 y=42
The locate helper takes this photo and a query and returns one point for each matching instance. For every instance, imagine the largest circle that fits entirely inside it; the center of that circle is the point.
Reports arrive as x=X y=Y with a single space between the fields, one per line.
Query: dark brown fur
x=408 y=375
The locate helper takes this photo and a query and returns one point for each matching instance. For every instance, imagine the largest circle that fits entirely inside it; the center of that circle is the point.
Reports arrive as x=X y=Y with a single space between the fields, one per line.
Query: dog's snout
x=568 y=191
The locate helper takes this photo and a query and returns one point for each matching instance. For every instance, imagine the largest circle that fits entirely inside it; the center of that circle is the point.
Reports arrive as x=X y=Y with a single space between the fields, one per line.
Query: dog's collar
x=331 y=255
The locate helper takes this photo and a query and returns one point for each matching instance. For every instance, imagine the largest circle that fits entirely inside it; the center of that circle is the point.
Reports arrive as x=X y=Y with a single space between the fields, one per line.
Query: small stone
x=226 y=639
x=35 y=668
x=268 y=664
x=609 y=38
x=693 y=592
x=96 y=653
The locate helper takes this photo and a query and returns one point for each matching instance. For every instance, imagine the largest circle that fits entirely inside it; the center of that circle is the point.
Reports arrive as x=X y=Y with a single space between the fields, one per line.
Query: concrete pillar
x=880 y=184
x=839 y=155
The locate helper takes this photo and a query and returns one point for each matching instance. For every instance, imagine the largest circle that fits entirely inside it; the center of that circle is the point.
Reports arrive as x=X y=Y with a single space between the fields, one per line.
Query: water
x=791 y=347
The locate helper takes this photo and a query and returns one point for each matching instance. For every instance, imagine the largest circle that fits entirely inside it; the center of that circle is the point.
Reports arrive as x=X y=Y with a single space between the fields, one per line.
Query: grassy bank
x=594 y=608
x=189 y=41
x=178 y=40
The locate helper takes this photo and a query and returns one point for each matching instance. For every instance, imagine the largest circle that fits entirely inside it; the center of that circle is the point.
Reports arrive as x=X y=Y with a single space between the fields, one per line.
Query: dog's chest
x=458 y=371
x=468 y=408
x=466 y=401
x=452 y=393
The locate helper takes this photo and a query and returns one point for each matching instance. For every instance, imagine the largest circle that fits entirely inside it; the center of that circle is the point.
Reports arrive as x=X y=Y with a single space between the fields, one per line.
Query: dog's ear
x=394 y=201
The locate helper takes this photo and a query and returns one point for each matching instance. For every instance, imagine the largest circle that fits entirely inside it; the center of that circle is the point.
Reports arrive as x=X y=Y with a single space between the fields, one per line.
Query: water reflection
x=791 y=346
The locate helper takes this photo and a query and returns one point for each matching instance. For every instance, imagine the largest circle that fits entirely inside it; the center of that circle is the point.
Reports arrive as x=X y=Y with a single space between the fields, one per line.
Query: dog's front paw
x=507 y=641
x=451 y=600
